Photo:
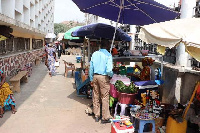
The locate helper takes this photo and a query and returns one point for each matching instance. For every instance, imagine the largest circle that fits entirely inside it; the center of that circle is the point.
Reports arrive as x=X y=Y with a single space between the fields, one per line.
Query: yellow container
x=175 y=127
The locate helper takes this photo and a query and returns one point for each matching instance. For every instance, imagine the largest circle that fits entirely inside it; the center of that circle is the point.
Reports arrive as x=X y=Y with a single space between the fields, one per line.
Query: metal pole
x=161 y=66
x=88 y=50
x=84 y=53
x=133 y=31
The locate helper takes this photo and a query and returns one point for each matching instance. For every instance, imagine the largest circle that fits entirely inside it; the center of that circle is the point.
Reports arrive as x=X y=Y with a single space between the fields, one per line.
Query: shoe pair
x=102 y=121
x=105 y=121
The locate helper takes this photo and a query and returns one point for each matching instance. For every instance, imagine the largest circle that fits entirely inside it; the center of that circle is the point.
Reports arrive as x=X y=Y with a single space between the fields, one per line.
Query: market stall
x=171 y=34
x=142 y=98
x=93 y=35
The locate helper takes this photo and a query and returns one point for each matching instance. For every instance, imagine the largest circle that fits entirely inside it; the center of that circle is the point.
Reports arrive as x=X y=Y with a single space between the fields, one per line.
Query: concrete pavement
x=49 y=104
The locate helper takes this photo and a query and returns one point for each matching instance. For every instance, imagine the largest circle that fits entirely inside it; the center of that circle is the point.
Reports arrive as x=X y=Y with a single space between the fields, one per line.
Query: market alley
x=50 y=104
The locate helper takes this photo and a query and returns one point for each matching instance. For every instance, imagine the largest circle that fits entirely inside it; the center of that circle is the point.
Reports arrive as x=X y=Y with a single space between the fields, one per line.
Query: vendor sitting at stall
x=7 y=101
x=146 y=73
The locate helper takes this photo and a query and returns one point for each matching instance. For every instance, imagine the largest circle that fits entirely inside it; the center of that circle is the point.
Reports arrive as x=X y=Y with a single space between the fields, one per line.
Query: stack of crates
x=78 y=59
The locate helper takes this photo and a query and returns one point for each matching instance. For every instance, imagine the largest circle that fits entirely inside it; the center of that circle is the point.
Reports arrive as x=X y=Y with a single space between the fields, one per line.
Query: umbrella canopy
x=100 y=30
x=171 y=33
x=135 y=12
x=68 y=35
x=50 y=35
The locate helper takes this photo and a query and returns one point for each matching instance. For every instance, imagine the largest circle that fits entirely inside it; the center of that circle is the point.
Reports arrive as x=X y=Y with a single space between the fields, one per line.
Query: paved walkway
x=50 y=105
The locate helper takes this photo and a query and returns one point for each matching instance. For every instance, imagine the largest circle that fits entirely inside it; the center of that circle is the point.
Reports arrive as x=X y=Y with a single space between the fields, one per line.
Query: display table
x=136 y=58
x=115 y=128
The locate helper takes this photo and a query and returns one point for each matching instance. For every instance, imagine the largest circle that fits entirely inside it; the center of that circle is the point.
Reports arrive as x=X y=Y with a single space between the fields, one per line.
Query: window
x=37 y=43
x=14 y=45
x=9 y=45
x=2 y=47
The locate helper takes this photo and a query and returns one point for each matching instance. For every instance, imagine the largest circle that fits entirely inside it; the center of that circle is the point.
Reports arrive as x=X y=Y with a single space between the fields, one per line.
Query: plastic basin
x=125 y=98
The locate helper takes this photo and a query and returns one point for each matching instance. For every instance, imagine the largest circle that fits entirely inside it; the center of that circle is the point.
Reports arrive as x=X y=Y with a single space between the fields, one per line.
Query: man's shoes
x=105 y=121
x=97 y=119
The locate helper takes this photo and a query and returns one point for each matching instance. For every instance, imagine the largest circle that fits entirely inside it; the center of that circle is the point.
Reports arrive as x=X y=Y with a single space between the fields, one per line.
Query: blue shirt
x=101 y=63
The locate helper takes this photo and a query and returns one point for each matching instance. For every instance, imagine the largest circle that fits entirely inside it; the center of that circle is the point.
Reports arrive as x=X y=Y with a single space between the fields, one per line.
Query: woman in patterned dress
x=51 y=59
x=7 y=101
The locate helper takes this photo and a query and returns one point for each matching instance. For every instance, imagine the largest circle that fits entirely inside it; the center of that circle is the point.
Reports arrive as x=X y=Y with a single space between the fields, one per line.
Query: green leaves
x=121 y=87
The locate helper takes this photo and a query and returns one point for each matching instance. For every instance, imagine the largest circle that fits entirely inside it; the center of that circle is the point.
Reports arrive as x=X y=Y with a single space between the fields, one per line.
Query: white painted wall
x=19 y=5
x=8 y=7
x=30 y=12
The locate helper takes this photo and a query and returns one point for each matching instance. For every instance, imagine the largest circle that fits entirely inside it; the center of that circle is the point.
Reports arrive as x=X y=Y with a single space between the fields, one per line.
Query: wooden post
x=191 y=99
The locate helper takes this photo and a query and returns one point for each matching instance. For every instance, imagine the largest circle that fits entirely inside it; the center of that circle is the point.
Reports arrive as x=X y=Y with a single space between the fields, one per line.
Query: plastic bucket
x=126 y=98
x=175 y=127
x=113 y=91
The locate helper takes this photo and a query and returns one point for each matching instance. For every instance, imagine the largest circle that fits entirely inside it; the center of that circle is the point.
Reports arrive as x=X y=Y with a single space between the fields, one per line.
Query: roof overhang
x=21 y=29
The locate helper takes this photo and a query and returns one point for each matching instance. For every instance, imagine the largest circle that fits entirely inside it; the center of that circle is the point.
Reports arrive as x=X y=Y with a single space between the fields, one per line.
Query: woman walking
x=51 y=59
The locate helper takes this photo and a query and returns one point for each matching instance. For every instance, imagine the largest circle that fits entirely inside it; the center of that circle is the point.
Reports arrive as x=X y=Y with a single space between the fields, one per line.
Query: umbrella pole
x=121 y=7
x=84 y=42
x=88 y=50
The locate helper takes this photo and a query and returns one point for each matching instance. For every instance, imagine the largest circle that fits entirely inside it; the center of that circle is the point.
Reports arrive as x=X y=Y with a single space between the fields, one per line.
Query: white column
x=187 y=11
x=31 y=43
x=132 y=31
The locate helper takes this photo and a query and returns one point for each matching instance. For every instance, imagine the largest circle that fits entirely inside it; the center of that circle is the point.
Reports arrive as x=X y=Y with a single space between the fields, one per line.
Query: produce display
x=121 y=87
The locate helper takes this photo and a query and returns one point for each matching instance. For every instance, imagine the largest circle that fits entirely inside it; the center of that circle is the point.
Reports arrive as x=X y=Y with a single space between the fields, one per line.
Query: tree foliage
x=60 y=28
x=65 y=26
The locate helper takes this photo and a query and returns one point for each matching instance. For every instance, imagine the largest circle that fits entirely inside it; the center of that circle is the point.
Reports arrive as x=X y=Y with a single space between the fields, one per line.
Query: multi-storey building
x=30 y=21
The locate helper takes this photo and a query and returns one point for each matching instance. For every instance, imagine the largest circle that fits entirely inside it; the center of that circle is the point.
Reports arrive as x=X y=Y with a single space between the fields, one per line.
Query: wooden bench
x=68 y=66
x=15 y=81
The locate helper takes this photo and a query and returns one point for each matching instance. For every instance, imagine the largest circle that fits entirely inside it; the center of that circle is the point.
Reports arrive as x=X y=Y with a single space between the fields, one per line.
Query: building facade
x=38 y=14
x=30 y=21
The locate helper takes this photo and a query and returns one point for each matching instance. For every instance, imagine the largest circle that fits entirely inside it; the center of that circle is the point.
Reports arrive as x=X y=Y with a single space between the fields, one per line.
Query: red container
x=116 y=128
x=126 y=98
x=113 y=91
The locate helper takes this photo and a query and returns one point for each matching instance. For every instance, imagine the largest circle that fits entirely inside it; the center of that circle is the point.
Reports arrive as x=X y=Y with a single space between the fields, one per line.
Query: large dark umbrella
x=135 y=12
x=100 y=30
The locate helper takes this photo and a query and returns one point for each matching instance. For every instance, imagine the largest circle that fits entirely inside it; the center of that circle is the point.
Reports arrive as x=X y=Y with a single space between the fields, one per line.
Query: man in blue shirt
x=101 y=66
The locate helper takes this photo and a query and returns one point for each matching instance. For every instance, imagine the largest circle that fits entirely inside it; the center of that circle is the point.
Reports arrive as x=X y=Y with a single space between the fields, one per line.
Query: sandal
x=50 y=74
x=14 y=111
x=1 y=115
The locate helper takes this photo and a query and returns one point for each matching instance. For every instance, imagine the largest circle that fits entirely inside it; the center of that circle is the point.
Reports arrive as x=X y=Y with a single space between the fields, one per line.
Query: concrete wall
x=189 y=81
x=17 y=61
x=178 y=85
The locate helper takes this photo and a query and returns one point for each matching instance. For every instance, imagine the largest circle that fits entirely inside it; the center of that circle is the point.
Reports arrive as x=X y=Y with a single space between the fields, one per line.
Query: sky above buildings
x=66 y=10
